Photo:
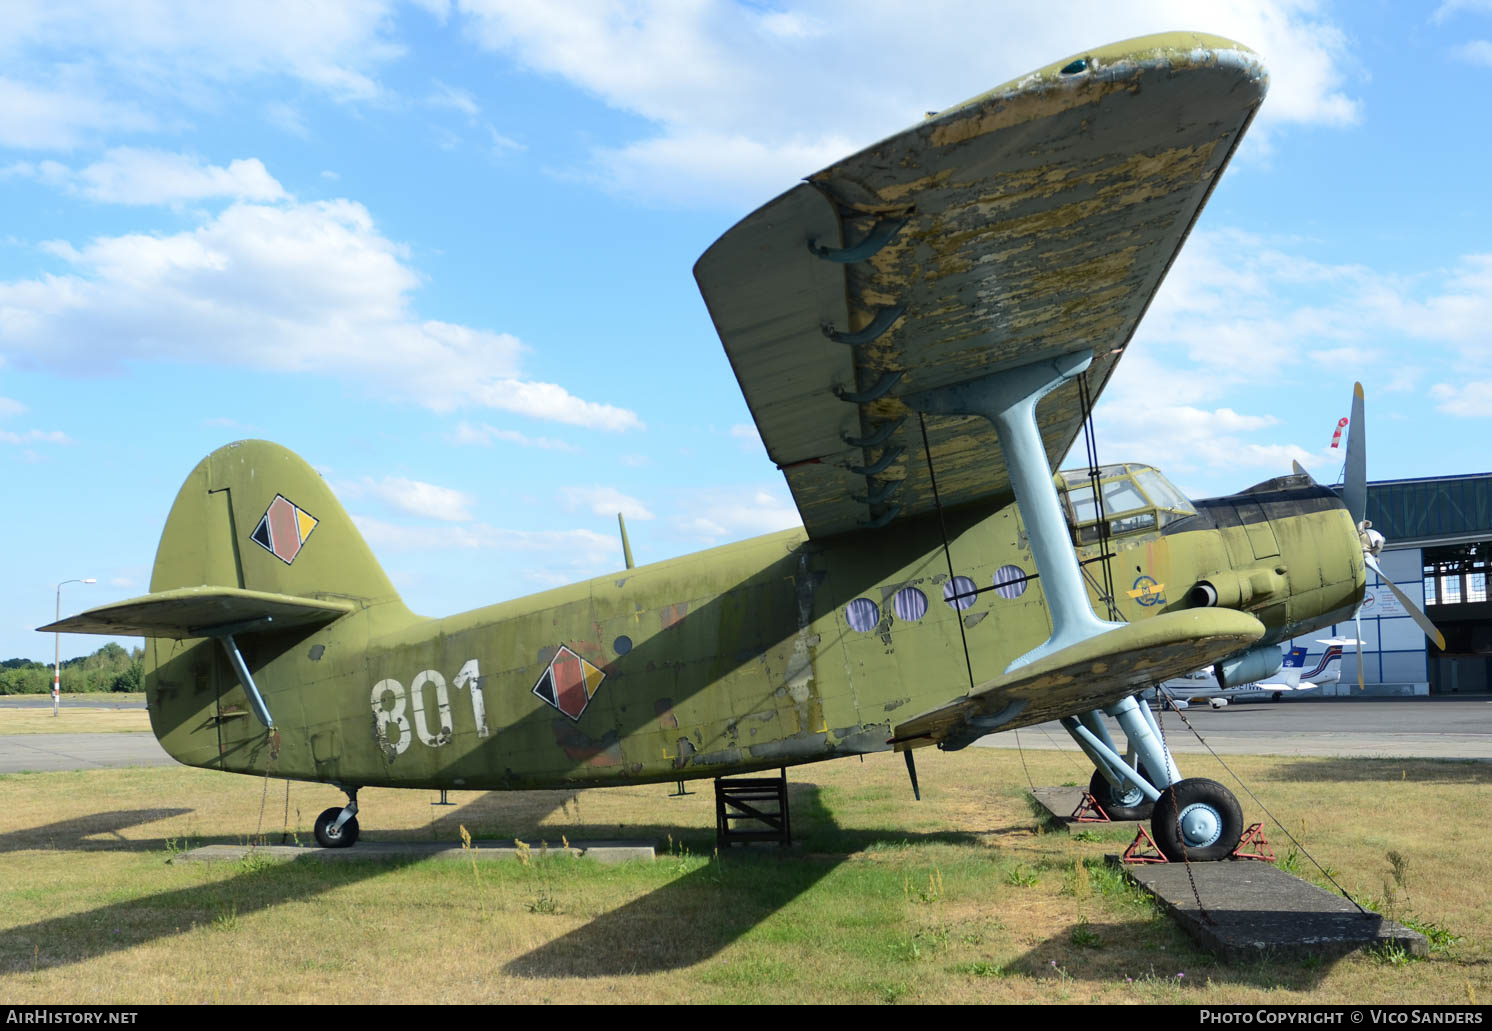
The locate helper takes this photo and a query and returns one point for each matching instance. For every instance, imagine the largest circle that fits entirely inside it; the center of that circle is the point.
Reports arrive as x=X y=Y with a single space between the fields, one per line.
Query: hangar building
x=1439 y=534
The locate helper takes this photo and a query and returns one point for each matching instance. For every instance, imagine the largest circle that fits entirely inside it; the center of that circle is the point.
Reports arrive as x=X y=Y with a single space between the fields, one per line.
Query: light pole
x=57 y=654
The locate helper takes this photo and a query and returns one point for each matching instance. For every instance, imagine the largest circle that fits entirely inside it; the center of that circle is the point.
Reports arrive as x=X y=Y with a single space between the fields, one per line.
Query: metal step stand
x=758 y=800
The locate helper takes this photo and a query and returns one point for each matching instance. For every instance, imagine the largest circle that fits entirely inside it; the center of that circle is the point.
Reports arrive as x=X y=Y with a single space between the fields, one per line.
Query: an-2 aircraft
x=920 y=331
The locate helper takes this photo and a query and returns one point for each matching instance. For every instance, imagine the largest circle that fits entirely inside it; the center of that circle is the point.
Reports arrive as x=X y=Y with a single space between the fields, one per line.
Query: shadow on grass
x=1157 y=955
x=79 y=833
x=1409 y=771
x=689 y=919
x=77 y=938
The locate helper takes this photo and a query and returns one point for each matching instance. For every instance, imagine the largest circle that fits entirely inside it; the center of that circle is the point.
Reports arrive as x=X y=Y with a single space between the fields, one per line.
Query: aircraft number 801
x=468 y=677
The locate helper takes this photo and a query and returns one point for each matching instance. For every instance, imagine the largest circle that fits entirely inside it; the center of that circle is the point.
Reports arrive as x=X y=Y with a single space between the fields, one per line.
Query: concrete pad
x=607 y=853
x=1061 y=803
x=1254 y=910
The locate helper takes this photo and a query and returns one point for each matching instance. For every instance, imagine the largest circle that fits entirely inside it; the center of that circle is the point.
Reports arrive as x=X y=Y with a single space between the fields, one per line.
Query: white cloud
x=36 y=117
x=1450 y=7
x=1469 y=400
x=710 y=515
x=485 y=434
x=1239 y=314
x=453 y=97
x=309 y=288
x=413 y=497
x=34 y=436
x=603 y=501
x=583 y=544
x=129 y=175
x=1476 y=51
x=289 y=118
x=335 y=47
x=9 y=406
x=751 y=100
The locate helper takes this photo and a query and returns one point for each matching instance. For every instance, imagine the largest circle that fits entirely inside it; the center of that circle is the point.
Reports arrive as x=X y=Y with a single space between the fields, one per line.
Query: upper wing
x=1034 y=220
x=201 y=612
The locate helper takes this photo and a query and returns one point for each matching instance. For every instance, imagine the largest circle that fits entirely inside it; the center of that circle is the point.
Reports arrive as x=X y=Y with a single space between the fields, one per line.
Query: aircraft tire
x=1103 y=793
x=1278 y=695
x=327 y=838
x=1199 y=814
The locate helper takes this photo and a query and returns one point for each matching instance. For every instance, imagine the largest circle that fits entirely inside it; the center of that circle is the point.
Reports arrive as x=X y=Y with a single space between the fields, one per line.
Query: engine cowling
x=1249 y=667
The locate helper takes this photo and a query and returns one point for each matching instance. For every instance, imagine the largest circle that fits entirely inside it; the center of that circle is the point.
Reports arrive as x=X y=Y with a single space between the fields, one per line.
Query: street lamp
x=57 y=654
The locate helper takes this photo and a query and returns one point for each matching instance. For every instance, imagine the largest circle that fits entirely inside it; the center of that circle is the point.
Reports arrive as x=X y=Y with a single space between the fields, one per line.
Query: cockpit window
x=1136 y=499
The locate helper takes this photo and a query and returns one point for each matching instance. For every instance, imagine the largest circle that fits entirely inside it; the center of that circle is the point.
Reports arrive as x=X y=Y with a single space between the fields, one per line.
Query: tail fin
x=257 y=557
x=1289 y=675
x=255 y=516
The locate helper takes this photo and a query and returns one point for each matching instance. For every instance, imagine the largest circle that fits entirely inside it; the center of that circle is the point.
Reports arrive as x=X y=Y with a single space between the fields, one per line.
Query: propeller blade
x=1409 y=606
x=1355 y=483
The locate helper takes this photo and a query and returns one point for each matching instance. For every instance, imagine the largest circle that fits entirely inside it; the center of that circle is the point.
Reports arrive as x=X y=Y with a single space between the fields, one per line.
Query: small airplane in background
x=1292 y=676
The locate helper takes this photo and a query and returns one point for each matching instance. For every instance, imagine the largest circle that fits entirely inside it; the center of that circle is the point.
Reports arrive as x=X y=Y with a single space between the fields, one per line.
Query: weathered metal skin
x=740 y=658
x=1039 y=218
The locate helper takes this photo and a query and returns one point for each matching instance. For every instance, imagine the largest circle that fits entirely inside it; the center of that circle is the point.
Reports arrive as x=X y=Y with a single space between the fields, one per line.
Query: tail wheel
x=328 y=835
x=1197 y=820
x=1132 y=805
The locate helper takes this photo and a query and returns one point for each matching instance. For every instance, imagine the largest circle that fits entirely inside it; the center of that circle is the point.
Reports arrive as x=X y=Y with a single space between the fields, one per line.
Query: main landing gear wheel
x=1132 y=805
x=328 y=835
x=1199 y=814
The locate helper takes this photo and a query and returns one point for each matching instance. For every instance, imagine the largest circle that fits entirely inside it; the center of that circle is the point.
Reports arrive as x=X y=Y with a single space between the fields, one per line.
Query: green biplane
x=920 y=331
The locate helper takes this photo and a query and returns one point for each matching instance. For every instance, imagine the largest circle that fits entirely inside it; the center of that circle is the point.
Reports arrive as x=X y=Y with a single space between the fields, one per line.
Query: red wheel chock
x=1134 y=855
x=1253 y=846
x=1089 y=811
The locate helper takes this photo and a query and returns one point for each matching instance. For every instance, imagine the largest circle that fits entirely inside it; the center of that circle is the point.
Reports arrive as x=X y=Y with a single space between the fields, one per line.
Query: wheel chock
x=1133 y=854
x=1089 y=811
x=1253 y=846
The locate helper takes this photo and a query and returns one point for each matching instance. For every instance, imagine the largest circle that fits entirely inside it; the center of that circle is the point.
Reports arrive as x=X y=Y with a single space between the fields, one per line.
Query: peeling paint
x=317 y=650
x=581 y=747
x=973 y=619
x=671 y=614
x=663 y=709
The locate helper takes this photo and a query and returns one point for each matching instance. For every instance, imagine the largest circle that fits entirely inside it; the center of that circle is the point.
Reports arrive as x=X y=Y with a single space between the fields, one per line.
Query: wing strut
x=1007 y=398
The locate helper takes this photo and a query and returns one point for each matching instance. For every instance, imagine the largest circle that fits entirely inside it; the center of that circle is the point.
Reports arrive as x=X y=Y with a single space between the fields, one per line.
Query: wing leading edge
x=1088 y=675
x=1033 y=220
x=189 y=612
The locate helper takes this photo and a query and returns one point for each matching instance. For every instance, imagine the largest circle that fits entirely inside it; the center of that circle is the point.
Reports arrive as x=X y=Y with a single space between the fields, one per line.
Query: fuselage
x=769 y=652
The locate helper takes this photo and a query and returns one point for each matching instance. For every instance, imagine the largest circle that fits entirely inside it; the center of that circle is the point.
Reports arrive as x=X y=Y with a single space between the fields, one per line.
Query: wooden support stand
x=760 y=802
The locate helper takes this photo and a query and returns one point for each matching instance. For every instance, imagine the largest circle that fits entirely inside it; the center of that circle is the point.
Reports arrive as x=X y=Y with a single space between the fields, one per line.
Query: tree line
x=111 y=668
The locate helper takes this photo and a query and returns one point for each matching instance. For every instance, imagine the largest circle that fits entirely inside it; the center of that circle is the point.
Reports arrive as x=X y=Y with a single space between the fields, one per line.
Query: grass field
x=960 y=898
x=104 y=718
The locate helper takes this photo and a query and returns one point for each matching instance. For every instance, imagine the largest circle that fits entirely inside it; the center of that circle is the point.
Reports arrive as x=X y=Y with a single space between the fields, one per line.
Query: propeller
x=1355 y=496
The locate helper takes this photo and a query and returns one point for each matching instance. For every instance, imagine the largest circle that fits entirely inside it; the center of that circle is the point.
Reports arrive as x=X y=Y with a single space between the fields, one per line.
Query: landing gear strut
x=337 y=828
x=1195 y=820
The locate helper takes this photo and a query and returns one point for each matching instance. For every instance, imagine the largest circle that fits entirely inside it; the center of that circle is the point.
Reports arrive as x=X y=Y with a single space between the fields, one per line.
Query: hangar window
x=1457 y=574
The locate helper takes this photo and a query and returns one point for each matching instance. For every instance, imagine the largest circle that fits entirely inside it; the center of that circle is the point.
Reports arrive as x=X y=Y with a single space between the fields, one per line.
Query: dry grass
x=74 y=719
x=958 y=898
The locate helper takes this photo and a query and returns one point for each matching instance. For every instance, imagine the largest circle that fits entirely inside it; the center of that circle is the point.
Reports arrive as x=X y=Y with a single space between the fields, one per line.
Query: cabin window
x=910 y=604
x=1010 y=582
x=960 y=592
x=863 y=615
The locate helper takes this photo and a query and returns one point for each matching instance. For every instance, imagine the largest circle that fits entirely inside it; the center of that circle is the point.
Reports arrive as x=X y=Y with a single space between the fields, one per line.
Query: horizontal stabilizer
x=1091 y=673
x=203 y=612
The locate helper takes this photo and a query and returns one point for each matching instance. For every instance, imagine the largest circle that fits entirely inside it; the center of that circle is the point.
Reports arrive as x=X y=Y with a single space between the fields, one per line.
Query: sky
x=442 y=250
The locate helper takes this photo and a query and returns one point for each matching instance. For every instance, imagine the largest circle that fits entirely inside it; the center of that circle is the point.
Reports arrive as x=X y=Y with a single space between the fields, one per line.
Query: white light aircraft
x=1291 y=676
